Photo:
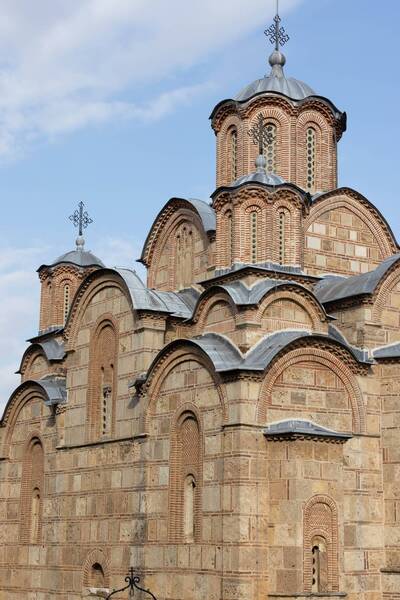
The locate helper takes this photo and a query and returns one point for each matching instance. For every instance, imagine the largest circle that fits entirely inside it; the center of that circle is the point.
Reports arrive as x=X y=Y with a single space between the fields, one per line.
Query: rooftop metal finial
x=275 y=33
x=80 y=219
x=261 y=135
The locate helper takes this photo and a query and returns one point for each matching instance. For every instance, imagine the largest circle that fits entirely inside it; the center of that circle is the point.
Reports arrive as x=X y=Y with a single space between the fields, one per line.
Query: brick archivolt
x=301 y=297
x=25 y=394
x=96 y=556
x=92 y=286
x=208 y=303
x=320 y=519
x=34 y=353
x=177 y=353
x=360 y=207
x=383 y=291
x=343 y=369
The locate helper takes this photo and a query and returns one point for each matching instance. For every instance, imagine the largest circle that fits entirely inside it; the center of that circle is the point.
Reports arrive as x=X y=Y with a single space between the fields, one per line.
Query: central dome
x=276 y=82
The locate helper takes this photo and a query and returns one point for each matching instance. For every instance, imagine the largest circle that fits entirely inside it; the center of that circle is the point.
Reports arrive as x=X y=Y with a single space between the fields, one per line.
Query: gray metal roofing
x=390 y=351
x=288 y=86
x=302 y=427
x=206 y=213
x=334 y=287
x=267 y=266
x=258 y=177
x=53 y=349
x=143 y=298
x=55 y=390
x=81 y=258
x=226 y=357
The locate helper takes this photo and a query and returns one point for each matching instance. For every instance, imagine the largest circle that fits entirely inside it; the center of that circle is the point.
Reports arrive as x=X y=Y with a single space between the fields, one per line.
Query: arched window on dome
x=282 y=236
x=229 y=237
x=66 y=301
x=311 y=137
x=253 y=215
x=270 y=149
x=233 y=154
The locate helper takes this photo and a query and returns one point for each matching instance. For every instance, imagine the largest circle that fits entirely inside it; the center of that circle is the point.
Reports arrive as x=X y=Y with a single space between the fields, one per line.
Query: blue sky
x=107 y=101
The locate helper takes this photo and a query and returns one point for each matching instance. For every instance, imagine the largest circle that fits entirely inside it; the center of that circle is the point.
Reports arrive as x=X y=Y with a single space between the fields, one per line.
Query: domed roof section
x=276 y=82
x=259 y=177
x=79 y=257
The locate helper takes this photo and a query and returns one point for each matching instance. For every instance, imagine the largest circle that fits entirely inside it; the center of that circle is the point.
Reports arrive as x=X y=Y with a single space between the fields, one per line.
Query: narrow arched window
x=32 y=486
x=102 y=390
x=282 y=241
x=184 y=257
x=320 y=530
x=311 y=155
x=35 y=515
x=189 y=508
x=234 y=154
x=254 y=235
x=229 y=237
x=96 y=576
x=319 y=566
x=66 y=301
x=270 y=148
x=185 y=481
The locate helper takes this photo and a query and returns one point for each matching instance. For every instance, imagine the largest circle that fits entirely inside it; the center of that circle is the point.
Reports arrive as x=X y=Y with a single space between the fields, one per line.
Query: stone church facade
x=231 y=430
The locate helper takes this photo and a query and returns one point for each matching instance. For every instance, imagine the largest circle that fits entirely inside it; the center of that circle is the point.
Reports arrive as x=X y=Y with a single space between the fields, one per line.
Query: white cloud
x=70 y=64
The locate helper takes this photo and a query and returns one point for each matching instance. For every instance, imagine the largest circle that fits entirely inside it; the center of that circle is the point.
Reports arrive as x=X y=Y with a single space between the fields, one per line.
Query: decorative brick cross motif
x=80 y=218
x=275 y=33
x=261 y=135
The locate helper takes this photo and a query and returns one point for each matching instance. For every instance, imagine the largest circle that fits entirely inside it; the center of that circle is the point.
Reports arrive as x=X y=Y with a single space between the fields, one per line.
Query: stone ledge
x=320 y=595
x=131 y=438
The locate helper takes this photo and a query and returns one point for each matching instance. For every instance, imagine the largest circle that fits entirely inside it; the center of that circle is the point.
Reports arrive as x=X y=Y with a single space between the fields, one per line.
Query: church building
x=231 y=429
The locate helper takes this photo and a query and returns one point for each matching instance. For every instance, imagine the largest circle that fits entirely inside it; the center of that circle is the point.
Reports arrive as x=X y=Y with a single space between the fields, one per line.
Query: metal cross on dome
x=277 y=34
x=261 y=135
x=80 y=218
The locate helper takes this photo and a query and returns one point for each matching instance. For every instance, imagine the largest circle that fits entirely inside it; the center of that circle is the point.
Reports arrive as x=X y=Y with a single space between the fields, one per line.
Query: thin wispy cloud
x=68 y=65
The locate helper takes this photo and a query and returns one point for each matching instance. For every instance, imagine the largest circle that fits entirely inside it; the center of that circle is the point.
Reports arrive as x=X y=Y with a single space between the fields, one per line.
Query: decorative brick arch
x=32 y=478
x=207 y=303
x=299 y=296
x=338 y=360
x=184 y=460
x=30 y=356
x=96 y=556
x=389 y=281
x=289 y=203
x=361 y=208
x=24 y=394
x=166 y=361
x=105 y=322
x=224 y=175
x=320 y=519
x=325 y=149
x=97 y=282
x=278 y=117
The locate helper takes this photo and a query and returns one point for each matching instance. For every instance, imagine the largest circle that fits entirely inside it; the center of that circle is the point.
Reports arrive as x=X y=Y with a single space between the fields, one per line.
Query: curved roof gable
x=202 y=209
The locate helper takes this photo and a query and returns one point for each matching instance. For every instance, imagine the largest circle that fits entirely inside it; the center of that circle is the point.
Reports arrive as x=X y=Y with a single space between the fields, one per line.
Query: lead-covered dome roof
x=276 y=82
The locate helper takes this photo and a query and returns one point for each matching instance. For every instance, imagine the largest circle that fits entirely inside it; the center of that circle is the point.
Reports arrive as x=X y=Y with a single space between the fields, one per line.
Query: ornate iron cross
x=277 y=34
x=132 y=582
x=260 y=134
x=80 y=218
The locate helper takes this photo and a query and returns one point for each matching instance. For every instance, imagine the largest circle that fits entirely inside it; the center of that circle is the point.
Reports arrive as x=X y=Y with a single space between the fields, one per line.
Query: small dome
x=259 y=177
x=276 y=82
x=80 y=258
